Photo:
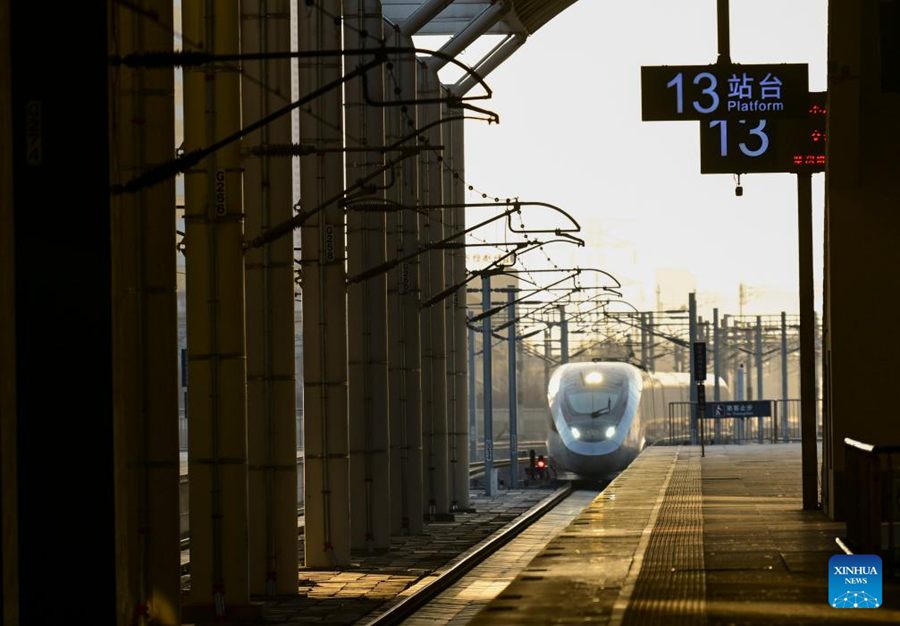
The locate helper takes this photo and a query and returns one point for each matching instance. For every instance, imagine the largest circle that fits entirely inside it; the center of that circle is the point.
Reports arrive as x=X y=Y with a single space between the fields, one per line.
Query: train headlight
x=610 y=432
x=576 y=433
x=593 y=378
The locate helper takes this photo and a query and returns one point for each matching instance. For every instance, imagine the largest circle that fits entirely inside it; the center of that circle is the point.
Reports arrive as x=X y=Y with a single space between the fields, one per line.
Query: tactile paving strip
x=671 y=586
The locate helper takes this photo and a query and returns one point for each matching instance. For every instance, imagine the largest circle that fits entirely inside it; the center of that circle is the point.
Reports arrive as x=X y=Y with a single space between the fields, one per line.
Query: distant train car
x=602 y=414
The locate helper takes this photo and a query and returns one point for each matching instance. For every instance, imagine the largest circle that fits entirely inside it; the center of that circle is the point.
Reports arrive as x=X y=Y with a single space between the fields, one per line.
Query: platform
x=680 y=539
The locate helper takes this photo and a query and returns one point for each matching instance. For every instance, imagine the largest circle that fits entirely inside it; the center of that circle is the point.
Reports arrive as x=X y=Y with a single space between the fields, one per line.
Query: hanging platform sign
x=754 y=145
x=726 y=91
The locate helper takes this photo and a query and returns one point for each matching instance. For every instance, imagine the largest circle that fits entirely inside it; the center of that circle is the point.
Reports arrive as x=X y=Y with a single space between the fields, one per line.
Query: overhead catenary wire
x=447 y=168
x=184 y=161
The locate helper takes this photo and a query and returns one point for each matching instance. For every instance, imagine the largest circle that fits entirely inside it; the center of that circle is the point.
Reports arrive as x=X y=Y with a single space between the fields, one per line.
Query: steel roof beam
x=491 y=61
x=424 y=14
x=467 y=36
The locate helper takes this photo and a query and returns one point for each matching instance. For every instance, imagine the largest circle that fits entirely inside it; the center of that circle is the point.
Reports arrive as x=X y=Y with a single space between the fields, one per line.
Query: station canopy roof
x=525 y=16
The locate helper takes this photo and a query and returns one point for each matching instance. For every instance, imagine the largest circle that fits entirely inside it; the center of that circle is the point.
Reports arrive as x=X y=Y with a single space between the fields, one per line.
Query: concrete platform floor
x=677 y=539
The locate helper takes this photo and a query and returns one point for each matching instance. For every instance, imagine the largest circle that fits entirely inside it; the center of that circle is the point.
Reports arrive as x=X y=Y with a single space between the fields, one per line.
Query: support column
x=145 y=351
x=458 y=152
x=513 y=397
x=784 y=378
x=394 y=128
x=271 y=401
x=450 y=330
x=473 y=430
x=692 y=330
x=404 y=354
x=547 y=355
x=727 y=356
x=751 y=355
x=563 y=335
x=434 y=349
x=717 y=370
x=217 y=401
x=817 y=345
x=651 y=348
x=327 y=505
x=728 y=363
x=59 y=251
x=9 y=512
x=520 y=368
x=758 y=359
x=807 y=345
x=370 y=485
x=643 y=318
x=488 y=385
x=454 y=193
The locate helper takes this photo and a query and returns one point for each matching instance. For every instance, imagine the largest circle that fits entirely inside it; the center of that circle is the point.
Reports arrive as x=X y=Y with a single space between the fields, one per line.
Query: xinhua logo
x=854 y=581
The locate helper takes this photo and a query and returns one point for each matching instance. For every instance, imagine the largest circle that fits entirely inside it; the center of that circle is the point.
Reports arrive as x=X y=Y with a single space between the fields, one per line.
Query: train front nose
x=590 y=466
x=592 y=407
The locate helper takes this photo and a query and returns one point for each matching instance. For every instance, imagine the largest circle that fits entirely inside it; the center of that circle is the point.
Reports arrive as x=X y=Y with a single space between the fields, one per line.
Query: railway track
x=476 y=469
x=442 y=579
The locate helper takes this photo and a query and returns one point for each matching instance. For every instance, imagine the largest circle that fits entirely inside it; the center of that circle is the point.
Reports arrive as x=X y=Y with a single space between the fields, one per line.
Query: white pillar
x=327 y=499
x=271 y=397
x=370 y=485
x=434 y=349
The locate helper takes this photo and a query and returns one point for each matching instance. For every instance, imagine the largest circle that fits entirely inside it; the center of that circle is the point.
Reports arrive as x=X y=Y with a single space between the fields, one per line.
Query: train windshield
x=593 y=403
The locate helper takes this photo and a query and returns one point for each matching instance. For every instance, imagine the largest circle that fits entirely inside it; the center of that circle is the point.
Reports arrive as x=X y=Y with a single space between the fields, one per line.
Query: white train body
x=602 y=414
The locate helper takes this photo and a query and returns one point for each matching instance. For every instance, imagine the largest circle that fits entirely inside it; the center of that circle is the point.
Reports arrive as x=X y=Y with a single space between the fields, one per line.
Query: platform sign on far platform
x=724 y=91
x=760 y=145
x=745 y=408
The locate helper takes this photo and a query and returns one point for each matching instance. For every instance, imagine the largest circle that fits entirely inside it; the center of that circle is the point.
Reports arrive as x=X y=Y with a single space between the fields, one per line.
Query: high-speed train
x=602 y=414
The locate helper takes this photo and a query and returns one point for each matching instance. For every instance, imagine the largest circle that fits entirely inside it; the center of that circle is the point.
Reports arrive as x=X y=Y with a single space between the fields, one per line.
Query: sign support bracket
x=724 y=33
x=807 y=344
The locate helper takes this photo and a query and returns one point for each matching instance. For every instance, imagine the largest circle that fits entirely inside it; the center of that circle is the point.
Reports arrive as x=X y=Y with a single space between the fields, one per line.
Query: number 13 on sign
x=759 y=131
x=709 y=90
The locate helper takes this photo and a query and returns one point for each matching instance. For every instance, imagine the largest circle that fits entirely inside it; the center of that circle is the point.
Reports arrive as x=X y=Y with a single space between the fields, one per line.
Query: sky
x=571 y=134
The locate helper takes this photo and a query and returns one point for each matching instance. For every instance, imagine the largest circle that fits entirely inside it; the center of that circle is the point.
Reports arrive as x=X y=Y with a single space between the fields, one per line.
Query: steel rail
x=442 y=579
